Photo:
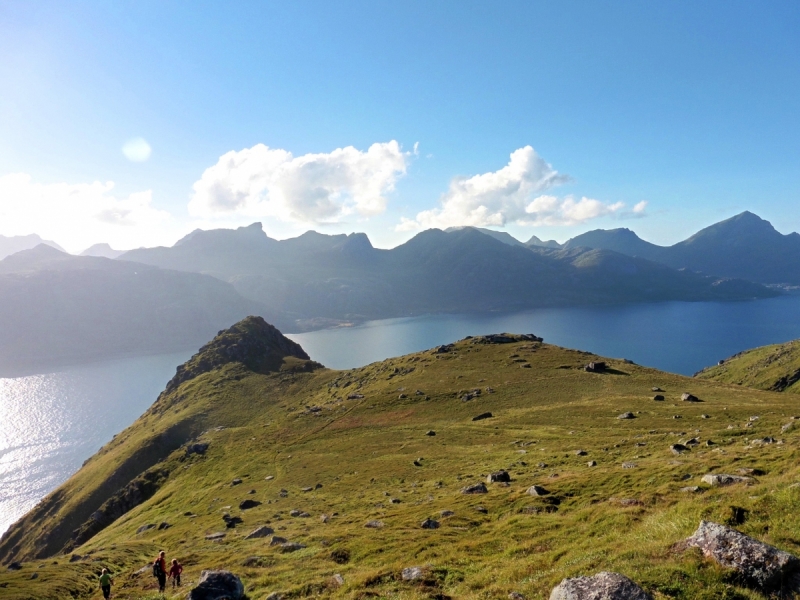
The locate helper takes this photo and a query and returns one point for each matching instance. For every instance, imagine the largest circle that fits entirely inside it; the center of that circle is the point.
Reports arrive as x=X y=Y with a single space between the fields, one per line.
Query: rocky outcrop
x=760 y=565
x=217 y=585
x=724 y=479
x=252 y=342
x=603 y=586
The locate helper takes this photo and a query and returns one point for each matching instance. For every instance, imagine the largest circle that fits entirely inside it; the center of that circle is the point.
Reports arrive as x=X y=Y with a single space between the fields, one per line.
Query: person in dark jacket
x=160 y=571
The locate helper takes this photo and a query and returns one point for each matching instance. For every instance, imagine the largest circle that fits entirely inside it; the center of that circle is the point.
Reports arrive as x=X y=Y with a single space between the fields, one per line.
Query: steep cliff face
x=133 y=466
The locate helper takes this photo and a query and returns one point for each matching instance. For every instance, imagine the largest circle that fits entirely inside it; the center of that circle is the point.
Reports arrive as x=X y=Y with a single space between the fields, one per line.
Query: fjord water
x=51 y=423
x=680 y=337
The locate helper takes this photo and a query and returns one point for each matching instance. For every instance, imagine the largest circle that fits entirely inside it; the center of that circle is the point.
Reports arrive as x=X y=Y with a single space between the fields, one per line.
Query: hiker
x=160 y=571
x=105 y=583
x=175 y=573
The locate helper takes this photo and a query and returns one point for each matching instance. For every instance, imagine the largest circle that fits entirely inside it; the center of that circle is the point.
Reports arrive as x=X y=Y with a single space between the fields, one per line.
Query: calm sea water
x=681 y=337
x=49 y=424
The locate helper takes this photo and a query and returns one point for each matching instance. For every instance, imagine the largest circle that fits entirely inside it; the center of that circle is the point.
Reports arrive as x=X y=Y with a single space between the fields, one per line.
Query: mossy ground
x=363 y=451
x=775 y=367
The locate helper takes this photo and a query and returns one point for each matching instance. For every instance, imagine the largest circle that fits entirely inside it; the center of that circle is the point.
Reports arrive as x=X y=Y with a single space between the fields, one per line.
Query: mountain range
x=744 y=246
x=56 y=309
x=13 y=244
x=318 y=279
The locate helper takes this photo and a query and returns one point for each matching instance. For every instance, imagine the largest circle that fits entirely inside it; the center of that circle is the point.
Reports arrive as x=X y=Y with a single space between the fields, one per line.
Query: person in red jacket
x=160 y=571
x=175 y=571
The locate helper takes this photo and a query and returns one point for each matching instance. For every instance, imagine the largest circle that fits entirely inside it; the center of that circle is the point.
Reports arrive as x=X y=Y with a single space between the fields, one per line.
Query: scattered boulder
x=147 y=527
x=236 y=481
x=678 y=449
x=687 y=397
x=595 y=367
x=249 y=503
x=262 y=531
x=215 y=536
x=516 y=596
x=291 y=547
x=446 y=513
x=217 y=585
x=277 y=540
x=763 y=441
x=274 y=596
x=537 y=490
x=629 y=465
x=373 y=524
x=500 y=476
x=762 y=566
x=627 y=415
x=591 y=463
x=413 y=573
x=603 y=586
x=482 y=416
x=430 y=524
x=723 y=479
x=580 y=453
x=481 y=509
x=14 y=566
x=690 y=489
x=477 y=488
x=199 y=448
x=163 y=525
x=658 y=398
x=655 y=388
x=430 y=433
x=231 y=522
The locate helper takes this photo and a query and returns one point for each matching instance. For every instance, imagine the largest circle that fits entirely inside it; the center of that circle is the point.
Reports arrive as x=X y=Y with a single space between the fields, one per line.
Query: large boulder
x=217 y=585
x=603 y=586
x=760 y=565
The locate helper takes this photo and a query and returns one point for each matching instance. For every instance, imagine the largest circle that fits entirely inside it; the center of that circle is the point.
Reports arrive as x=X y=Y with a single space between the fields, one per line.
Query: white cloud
x=78 y=215
x=314 y=188
x=137 y=150
x=509 y=195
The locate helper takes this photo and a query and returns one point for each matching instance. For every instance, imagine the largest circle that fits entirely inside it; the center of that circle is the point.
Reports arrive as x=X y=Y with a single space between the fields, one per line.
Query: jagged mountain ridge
x=16 y=243
x=317 y=278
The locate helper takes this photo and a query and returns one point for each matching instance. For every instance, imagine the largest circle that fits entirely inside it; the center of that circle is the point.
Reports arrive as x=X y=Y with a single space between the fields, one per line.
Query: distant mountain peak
x=252 y=342
x=104 y=250
x=500 y=236
x=254 y=231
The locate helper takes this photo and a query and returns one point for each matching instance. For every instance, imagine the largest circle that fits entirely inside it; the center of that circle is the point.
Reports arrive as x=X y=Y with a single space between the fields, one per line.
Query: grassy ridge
x=359 y=433
x=775 y=368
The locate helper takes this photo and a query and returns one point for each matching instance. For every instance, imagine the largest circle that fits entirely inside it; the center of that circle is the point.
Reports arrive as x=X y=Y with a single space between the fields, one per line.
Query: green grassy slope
x=775 y=368
x=358 y=440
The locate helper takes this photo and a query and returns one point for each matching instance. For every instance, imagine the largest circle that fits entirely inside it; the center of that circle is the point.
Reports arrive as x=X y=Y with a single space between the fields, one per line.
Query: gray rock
x=481 y=509
x=627 y=415
x=262 y=531
x=478 y=488
x=291 y=547
x=678 y=449
x=163 y=525
x=215 y=536
x=429 y=524
x=373 y=524
x=591 y=463
x=687 y=397
x=595 y=367
x=217 y=585
x=658 y=398
x=15 y=566
x=413 y=573
x=144 y=528
x=274 y=596
x=629 y=465
x=537 y=490
x=430 y=433
x=603 y=586
x=446 y=513
x=580 y=453
x=515 y=596
x=482 y=416
x=723 y=479
x=199 y=448
x=500 y=476
x=656 y=389
x=690 y=489
x=277 y=540
x=236 y=481
x=760 y=565
x=249 y=503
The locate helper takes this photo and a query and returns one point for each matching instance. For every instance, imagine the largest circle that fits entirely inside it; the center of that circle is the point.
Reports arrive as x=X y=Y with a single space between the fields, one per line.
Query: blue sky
x=661 y=117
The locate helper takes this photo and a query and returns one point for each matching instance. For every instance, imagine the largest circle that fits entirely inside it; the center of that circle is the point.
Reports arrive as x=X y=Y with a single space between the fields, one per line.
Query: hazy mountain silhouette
x=318 y=279
x=745 y=246
x=103 y=250
x=12 y=244
x=60 y=309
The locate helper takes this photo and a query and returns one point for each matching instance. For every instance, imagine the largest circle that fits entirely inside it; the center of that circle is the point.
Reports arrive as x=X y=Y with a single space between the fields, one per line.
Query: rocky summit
x=268 y=475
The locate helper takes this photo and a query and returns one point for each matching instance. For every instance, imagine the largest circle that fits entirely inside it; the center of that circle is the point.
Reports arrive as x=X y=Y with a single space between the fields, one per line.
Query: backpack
x=157 y=570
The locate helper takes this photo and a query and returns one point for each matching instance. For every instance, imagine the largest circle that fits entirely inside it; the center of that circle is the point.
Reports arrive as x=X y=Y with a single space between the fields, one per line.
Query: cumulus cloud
x=513 y=194
x=78 y=215
x=312 y=188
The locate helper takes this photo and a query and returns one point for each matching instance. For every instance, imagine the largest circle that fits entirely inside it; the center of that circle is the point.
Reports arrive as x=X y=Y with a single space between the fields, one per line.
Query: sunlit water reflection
x=50 y=424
